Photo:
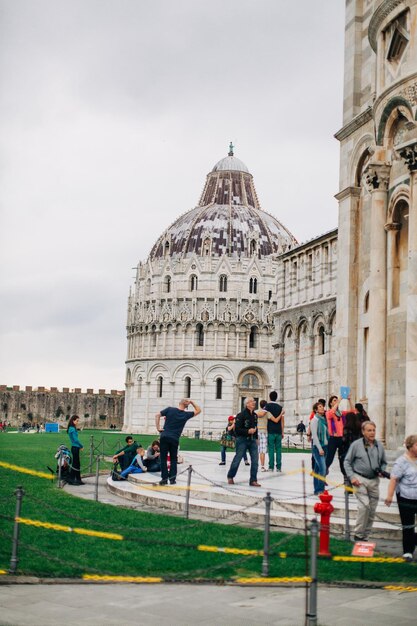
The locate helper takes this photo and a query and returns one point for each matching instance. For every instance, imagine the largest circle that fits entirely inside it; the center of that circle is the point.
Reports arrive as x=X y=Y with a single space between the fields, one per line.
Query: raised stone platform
x=212 y=498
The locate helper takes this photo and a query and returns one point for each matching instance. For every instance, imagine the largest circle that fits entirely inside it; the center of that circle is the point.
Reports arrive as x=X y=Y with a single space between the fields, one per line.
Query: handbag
x=227 y=440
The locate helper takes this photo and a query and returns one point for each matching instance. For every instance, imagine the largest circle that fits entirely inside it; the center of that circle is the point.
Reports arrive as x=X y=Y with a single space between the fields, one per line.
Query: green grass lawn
x=153 y=544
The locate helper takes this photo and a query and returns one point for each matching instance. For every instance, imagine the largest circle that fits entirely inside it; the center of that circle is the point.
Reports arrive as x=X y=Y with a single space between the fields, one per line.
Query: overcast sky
x=112 y=112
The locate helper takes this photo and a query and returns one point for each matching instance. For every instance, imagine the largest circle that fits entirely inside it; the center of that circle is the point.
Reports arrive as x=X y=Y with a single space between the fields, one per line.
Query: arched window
x=187 y=387
x=219 y=388
x=252 y=337
x=166 y=248
x=167 y=283
x=206 y=246
x=253 y=285
x=159 y=386
x=193 y=282
x=200 y=335
x=322 y=340
x=223 y=283
x=252 y=247
x=250 y=381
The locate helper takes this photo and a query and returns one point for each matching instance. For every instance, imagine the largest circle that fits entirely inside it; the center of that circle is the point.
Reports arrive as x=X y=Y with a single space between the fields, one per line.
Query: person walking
x=319 y=439
x=246 y=430
x=404 y=482
x=301 y=429
x=364 y=463
x=175 y=420
x=230 y=432
x=76 y=446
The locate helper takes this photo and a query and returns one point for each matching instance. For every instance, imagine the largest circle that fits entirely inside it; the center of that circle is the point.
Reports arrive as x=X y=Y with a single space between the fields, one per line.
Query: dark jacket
x=244 y=421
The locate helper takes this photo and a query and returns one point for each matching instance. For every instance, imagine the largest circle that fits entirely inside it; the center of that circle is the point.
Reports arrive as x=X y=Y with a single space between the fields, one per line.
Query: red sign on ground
x=363 y=548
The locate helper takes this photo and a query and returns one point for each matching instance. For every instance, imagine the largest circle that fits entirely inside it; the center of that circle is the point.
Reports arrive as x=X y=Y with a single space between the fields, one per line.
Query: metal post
x=59 y=468
x=265 y=561
x=91 y=454
x=97 y=476
x=187 y=493
x=347 y=521
x=312 y=612
x=19 y=493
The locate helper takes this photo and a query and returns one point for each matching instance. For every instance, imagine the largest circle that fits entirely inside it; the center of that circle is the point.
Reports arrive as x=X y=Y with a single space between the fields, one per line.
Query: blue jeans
x=319 y=468
x=132 y=469
x=223 y=454
x=242 y=445
x=275 y=449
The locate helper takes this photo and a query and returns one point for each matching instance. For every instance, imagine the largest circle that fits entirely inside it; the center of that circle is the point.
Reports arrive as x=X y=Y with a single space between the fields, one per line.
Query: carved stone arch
x=332 y=319
x=218 y=371
x=185 y=369
x=318 y=319
x=360 y=155
x=285 y=329
x=159 y=368
x=389 y=116
x=401 y=194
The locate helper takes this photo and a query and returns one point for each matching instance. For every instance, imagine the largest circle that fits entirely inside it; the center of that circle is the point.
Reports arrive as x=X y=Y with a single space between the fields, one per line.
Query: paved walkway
x=206 y=605
x=287 y=486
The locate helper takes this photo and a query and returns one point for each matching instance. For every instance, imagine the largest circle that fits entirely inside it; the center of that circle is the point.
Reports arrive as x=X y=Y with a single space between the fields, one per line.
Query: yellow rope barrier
x=3 y=571
x=24 y=470
x=398 y=588
x=123 y=579
x=246 y=552
x=286 y=580
x=369 y=559
x=329 y=482
x=69 y=529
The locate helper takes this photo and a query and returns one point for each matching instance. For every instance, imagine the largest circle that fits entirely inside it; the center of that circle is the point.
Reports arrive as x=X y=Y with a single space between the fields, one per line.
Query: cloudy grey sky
x=112 y=112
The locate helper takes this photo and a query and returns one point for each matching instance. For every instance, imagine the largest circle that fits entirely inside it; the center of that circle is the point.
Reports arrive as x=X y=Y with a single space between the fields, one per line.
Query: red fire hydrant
x=325 y=509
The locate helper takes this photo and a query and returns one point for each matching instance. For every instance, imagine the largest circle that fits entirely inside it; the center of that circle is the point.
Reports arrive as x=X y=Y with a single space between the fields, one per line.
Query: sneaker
x=254 y=484
x=230 y=481
x=270 y=469
x=263 y=469
x=163 y=482
x=279 y=470
x=358 y=538
x=222 y=463
x=247 y=463
x=407 y=556
x=173 y=482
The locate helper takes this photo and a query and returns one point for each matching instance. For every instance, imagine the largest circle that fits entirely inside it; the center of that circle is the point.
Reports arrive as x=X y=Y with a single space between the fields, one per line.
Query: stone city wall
x=43 y=404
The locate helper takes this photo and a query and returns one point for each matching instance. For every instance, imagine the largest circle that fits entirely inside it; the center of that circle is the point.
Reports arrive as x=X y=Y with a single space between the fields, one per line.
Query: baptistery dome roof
x=227 y=220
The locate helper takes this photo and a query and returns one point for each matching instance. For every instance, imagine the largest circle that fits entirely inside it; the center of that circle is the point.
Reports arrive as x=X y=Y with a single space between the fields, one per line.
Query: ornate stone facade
x=377 y=269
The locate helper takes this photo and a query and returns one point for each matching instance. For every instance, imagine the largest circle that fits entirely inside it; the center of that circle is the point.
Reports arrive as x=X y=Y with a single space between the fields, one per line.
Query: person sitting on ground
x=230 y=429
x=151 y=461
x=137 y=466
x=126 y=455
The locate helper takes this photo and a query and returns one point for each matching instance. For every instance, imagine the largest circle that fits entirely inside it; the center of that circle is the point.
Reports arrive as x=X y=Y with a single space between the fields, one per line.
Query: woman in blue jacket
x=76 y=446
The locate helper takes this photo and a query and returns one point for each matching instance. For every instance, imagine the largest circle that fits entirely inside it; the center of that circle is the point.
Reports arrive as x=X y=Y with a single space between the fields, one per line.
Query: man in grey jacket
x=364 y=463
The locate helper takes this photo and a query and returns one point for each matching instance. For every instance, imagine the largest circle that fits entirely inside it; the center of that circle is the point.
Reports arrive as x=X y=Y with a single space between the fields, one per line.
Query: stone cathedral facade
x=228 y=303
x=376 y=327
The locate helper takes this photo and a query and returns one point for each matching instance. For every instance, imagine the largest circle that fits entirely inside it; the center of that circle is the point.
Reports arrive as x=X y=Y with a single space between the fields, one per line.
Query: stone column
x=347 y=285
x=392 y=229
x=377 y=180
x=409 y=154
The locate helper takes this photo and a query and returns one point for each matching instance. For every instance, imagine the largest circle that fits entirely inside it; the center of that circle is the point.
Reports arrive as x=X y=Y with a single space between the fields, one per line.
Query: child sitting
x=137 y=466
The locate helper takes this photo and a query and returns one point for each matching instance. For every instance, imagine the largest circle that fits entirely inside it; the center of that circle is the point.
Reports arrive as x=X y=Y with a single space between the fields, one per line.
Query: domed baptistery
x=200 y=316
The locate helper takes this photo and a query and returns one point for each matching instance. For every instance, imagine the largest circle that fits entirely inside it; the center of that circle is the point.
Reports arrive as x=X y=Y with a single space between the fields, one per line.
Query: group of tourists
x=350 y=433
